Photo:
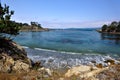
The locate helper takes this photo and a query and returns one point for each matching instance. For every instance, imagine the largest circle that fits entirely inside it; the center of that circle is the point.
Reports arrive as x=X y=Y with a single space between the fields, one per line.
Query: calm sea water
x=53 y=43
x=71 y=40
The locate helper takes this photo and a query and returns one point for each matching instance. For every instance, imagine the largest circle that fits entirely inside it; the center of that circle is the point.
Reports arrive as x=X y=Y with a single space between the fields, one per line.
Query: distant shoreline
x=34 y=30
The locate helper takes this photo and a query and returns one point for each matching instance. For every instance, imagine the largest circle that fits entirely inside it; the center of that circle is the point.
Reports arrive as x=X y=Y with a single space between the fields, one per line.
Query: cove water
x=69 y=47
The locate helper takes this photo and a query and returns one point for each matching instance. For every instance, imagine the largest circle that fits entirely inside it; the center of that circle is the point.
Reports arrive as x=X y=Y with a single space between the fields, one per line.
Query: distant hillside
x=34 y=26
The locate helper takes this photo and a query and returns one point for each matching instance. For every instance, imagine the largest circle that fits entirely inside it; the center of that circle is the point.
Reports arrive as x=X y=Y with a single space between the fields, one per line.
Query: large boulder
x=13 y=57
x=20 y=67
x=8 y=64
x=84 y=71
x=11 y=48
x=77 y=70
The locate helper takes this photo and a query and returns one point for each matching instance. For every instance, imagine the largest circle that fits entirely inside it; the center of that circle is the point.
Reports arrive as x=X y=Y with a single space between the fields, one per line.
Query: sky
x=65 y=13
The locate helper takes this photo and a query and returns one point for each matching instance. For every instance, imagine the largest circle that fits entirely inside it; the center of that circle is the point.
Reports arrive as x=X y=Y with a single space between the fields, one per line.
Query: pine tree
x=6 y=25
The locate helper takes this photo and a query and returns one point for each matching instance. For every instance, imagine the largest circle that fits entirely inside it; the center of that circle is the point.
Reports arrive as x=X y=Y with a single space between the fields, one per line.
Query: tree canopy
x=6 y=25
x=113 y=27
x=36 y=24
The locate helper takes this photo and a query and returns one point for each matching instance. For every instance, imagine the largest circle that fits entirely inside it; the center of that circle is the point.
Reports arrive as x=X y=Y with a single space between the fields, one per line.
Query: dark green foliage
x=104 y=27
x=25 y=24
x=36 y=24
x=9 y=27
x=39 y=25
x=114 y=23
x=6 y=25
x=118 y=27
x=113 y=27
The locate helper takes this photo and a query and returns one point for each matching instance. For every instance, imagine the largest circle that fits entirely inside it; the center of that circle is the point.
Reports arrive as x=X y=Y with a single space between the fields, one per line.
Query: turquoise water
x=69 y=47
x=84 y=41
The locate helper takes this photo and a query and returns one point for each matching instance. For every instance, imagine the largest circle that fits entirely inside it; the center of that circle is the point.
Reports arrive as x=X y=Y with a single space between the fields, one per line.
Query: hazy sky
x=65 y=13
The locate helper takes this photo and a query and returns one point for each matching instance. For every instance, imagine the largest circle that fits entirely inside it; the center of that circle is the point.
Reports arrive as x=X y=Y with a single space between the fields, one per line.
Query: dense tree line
x=113 y=27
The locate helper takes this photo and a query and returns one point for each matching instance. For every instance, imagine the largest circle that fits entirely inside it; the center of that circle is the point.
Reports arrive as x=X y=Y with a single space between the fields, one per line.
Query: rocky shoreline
x=32 y=29
x=13 y=57
x=15 y=65
x=116 y=33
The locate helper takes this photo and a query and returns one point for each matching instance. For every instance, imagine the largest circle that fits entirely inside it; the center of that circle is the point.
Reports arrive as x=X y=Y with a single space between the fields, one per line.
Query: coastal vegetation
x=113 y=28
x=6 y=25
x=34 y=26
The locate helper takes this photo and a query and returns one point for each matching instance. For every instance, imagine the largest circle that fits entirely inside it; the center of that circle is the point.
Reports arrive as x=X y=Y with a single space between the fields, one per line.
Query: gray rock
x=20 y=67
x=13 y=57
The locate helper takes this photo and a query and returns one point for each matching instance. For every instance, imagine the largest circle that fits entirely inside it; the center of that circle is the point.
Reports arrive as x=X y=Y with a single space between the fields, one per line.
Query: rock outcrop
x=33 y=28
x=8 y=64
x=77 y=70
x=84 y=71
x=13 y=57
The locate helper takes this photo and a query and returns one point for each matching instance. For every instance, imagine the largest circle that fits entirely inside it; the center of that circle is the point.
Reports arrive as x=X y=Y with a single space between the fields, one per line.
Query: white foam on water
x=53 y=62
x=66 y=59
x=69 y=52
x=25 y=47
x=56 y=51
x=45 y=49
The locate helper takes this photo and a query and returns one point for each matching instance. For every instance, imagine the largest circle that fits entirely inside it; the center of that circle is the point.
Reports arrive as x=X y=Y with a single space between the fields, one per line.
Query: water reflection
x=114 y=37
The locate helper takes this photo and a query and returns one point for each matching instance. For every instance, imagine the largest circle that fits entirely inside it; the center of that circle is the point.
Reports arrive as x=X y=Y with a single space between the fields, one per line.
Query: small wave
x=56 y=51
x=25 y=46
x=59 y=62
x=45 y=49
x=64 y=52
x=70 y=52
x=50 y=58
